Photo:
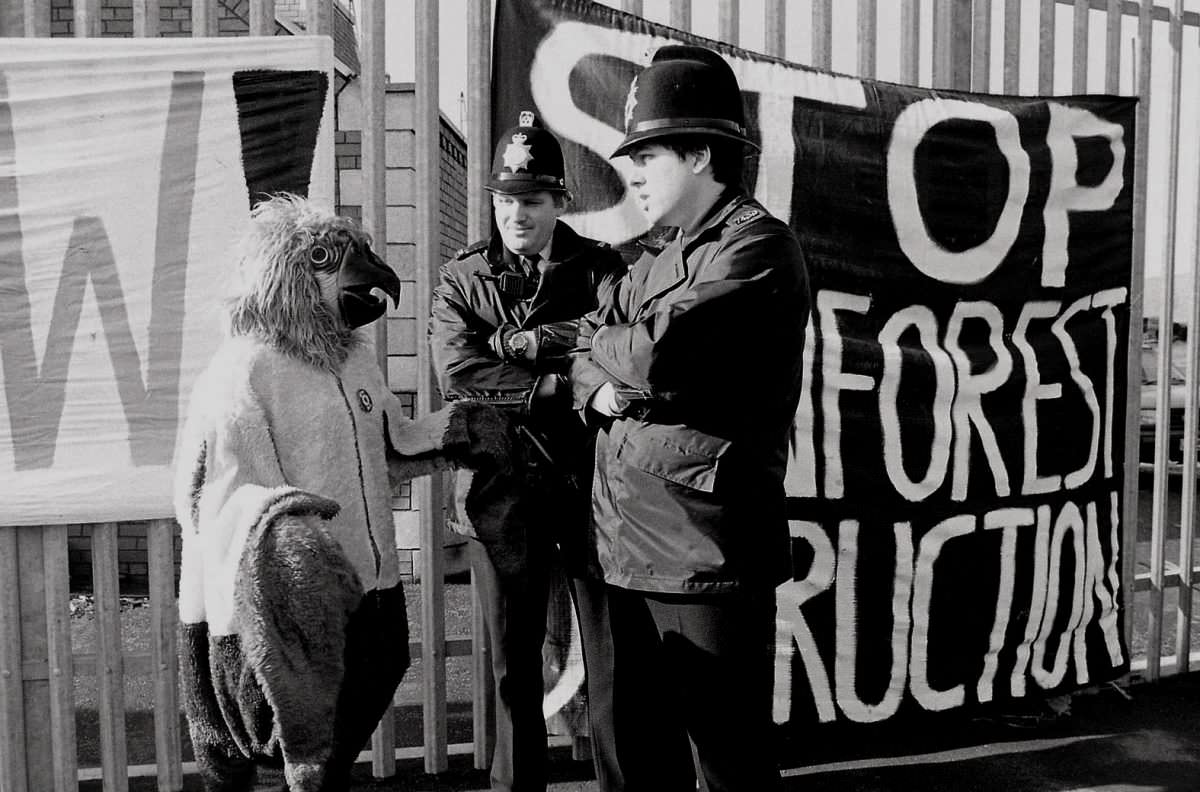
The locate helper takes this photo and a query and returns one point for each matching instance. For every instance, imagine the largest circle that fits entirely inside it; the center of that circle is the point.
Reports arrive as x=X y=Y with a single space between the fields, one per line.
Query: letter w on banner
x=956 y=464
x=127 y=170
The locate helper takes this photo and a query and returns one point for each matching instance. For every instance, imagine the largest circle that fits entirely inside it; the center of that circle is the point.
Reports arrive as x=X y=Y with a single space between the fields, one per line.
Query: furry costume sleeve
x=463 y=434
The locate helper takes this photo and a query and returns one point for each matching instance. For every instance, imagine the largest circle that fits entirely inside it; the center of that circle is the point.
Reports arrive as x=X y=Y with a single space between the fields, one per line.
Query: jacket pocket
x=677 y=454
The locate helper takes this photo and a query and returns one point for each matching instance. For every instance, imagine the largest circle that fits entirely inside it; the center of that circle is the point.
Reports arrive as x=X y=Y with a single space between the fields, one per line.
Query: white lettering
x=1008 y=520
x=925 y=253
x=846 y=660
x=1066 y=194
x=800 y=478
x=925 y=322
x=836 y=380
x=1037 y=601
x=1107 y=299
x=968 y=406
x=931 y=548
x=1069 y=519
x=1035 y=391
x=1079 y=477
x=791 y=626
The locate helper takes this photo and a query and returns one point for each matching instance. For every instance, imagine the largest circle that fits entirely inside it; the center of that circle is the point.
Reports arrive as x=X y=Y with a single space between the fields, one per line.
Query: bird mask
x=354 y=281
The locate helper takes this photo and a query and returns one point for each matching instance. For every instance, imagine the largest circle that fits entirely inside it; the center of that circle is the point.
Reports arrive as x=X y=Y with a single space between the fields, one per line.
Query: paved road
x=1148 y=742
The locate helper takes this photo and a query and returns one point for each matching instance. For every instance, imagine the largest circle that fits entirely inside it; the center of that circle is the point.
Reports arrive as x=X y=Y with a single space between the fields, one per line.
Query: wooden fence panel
x=1166 y=321
x=910 y=42
x=35 y=691
x=981 y=49
x=110 y=660
x=164 y=654
x=204 y=18
x=429 y=490
x=1112 y=47
x=12 y=706
x=60 y=663
x=145 y=18
x=822 y=34
x=1134 y=359
x=1046 y=27
x=479 y=145
x=1012 y=46
x=1081 y=31
x=868 y=36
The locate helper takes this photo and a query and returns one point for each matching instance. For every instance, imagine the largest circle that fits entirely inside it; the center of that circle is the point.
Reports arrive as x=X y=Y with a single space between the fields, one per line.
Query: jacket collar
x=565 y=244
x=726 y=204
x=669 y=267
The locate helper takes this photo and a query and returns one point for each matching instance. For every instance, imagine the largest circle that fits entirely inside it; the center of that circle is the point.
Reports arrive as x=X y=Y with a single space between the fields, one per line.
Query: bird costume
x=294 y=627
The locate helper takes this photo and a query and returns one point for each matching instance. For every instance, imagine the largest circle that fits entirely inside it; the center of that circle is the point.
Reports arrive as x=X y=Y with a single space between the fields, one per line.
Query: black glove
x=550 y=396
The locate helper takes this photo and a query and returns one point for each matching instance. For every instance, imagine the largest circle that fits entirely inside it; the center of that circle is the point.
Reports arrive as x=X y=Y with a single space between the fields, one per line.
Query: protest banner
x=127 y=171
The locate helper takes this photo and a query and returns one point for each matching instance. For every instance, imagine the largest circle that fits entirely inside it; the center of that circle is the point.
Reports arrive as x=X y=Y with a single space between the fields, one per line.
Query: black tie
x=531 y=264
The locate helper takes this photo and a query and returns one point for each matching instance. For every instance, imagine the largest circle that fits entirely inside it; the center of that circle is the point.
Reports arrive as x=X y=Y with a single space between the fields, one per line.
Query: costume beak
x=366 y=277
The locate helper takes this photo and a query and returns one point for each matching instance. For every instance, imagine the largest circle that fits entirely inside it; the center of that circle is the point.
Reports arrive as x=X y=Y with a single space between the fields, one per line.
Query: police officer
x=505 y=314
x=693 y=375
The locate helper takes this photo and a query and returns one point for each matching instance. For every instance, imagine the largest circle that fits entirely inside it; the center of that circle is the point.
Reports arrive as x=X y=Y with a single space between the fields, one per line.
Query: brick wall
x=174 y=17
x=132 y=566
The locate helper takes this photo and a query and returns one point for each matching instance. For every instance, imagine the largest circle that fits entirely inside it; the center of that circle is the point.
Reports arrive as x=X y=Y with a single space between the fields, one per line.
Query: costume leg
x=376 y=660
x=721 y=649
x=269 y=779
x=223 y=767
x=640 y=741
x=514 y=609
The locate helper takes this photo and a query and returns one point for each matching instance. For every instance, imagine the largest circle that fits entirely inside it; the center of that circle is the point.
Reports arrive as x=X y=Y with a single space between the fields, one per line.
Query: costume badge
x=517 y=155
x=630 y=103
x=365 y=401
x=746 y=216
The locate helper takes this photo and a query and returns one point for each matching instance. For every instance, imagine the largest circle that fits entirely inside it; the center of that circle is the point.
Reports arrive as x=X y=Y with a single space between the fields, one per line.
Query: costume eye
x=321 y=256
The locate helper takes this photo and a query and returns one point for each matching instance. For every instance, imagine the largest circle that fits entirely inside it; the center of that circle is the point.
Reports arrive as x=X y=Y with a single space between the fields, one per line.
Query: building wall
x=174 y=17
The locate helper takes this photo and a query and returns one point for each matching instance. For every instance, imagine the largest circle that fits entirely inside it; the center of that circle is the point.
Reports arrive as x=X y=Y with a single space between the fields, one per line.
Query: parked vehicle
x=1149 y=401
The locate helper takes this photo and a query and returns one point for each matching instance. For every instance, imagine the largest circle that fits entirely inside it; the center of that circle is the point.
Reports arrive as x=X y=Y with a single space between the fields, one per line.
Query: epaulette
x=470 y=250
x=745 y=215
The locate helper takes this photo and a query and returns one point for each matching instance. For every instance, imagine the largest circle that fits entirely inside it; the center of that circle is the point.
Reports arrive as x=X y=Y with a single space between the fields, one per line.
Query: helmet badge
x=630 y=103
x=517 y=154
x=525 y=118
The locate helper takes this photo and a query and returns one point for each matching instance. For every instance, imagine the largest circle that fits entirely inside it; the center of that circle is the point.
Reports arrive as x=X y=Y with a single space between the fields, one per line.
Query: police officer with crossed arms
x=504 y=316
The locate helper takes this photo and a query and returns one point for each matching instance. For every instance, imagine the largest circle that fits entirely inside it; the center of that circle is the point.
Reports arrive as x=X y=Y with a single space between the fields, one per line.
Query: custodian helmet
x=527 y=158
x=686 y=90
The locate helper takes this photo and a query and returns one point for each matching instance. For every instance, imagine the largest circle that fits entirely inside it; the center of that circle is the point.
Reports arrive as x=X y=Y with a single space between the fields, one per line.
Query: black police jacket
x=705 y=337
x=468 y=307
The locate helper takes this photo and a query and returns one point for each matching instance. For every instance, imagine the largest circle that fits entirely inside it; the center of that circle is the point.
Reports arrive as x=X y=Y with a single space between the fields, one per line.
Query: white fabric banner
x=127 y=171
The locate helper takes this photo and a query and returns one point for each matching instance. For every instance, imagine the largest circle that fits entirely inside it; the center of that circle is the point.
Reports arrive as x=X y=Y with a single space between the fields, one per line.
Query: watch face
x=518 y=342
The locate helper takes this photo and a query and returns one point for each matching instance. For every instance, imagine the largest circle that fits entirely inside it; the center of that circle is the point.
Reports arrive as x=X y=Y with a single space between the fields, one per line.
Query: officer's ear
x=561 y=199
x=699 y=157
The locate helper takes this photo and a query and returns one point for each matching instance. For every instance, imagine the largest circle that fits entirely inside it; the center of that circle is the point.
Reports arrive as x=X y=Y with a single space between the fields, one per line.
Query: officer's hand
x=604 y=401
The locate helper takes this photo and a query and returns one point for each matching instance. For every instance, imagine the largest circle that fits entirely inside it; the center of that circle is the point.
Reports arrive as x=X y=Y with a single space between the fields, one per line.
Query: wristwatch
x=516 y=344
